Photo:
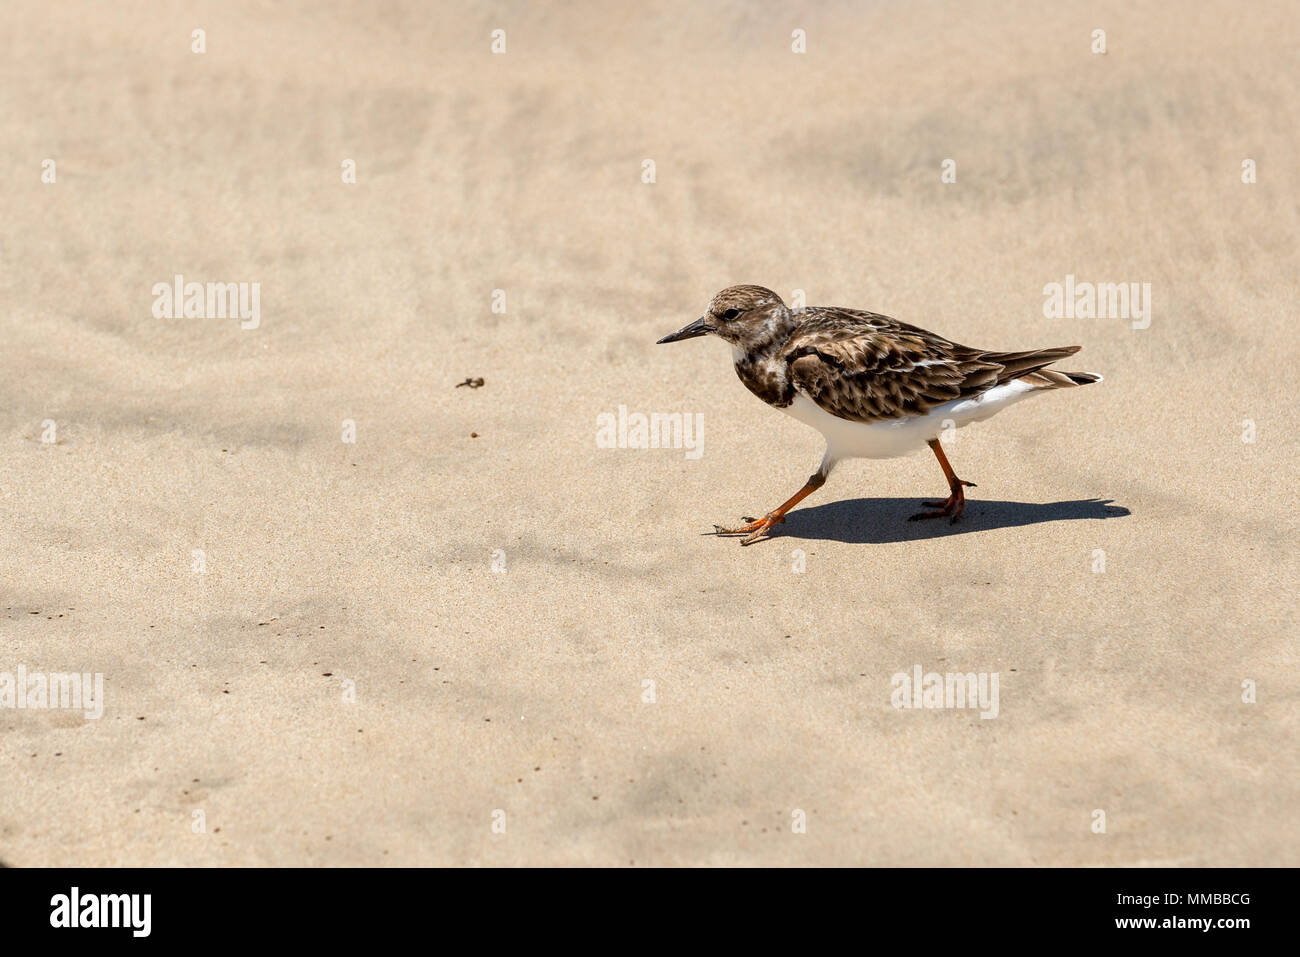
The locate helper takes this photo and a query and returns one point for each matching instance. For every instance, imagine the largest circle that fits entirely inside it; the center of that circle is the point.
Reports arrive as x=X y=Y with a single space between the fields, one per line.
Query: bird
x=875 y=387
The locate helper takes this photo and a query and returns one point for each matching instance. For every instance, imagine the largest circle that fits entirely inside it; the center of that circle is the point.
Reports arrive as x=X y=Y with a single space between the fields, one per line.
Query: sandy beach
x=347 y=612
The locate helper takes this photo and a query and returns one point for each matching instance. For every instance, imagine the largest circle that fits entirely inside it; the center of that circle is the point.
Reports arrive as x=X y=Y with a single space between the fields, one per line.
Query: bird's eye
x=731 y=314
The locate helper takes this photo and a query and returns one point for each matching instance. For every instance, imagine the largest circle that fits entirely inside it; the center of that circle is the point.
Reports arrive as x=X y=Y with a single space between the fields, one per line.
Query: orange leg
x=955 y=503
x=757 y=527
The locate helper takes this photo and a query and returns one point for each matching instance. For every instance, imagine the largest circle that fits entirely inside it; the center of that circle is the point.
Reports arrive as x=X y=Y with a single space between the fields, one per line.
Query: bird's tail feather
x=1051 y=379
x=1031 y=367
x=1082 y=378
x=1016 y=365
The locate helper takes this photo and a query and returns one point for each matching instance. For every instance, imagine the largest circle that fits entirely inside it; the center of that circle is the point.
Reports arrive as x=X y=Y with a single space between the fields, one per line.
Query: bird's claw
x=950 y=508
x=753 y=529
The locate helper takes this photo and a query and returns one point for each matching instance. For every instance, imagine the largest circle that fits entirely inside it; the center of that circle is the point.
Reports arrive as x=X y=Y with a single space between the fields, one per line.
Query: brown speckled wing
x=867 y=368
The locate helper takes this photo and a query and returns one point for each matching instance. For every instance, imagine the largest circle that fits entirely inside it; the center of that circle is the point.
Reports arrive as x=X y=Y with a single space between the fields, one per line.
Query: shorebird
x=875 y=387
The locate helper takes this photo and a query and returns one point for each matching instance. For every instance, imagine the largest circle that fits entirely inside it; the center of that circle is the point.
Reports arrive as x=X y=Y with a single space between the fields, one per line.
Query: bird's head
x=746 y=316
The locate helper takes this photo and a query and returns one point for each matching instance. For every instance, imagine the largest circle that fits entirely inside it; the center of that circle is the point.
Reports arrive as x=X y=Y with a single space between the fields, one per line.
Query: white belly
x=895 y=437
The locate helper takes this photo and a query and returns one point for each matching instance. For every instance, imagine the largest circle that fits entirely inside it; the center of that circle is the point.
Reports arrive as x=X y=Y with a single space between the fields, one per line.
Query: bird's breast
x=766 y=378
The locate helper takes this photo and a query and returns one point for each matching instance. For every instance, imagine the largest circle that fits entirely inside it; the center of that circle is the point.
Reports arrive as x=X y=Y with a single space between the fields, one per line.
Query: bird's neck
x=765 y=339
x=757 y=360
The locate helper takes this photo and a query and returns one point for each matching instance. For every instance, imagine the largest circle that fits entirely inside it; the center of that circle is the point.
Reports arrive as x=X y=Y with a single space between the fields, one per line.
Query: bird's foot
x=951 y=507
x=753 y=529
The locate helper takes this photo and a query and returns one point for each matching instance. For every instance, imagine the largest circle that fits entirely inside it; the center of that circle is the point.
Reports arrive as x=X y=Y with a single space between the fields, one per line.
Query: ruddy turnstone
x=875 y=387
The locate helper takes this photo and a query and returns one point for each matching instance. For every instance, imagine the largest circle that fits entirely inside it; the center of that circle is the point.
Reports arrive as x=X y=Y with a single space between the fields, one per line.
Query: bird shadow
x=879 y=521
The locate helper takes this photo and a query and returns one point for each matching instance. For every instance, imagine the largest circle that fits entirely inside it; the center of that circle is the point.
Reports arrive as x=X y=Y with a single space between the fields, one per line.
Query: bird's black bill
x=697 y=328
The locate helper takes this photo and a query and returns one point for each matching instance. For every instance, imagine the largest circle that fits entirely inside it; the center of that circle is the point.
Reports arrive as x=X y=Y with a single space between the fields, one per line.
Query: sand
x=348 y=681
